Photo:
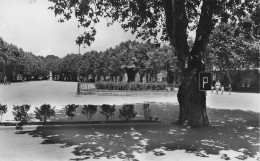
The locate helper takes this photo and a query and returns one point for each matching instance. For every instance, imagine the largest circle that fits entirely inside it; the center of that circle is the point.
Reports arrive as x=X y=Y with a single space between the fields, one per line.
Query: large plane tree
x=171 y=20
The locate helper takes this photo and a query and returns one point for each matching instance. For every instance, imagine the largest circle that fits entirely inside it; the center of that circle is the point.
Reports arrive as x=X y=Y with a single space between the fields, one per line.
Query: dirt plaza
x=235 y=131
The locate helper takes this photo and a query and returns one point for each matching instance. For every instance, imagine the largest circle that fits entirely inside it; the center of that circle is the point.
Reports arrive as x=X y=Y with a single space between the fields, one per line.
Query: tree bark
x=192 y=102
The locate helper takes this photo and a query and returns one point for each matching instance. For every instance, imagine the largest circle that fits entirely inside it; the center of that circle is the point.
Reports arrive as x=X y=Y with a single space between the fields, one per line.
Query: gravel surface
x=60 y=94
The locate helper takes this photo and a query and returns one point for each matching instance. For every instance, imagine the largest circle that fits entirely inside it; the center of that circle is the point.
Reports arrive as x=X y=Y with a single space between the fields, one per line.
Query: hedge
x=130 y=86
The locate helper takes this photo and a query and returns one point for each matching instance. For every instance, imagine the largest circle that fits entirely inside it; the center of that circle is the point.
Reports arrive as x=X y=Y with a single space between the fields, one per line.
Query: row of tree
x=14 y=61
x=144 y=56
x=111 y=62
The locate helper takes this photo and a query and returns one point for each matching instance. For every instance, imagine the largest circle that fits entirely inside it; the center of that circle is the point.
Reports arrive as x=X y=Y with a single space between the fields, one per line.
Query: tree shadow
x=231 y=130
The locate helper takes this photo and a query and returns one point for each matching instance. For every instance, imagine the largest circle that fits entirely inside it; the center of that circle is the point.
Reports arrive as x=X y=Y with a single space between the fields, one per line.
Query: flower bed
x=130 y=86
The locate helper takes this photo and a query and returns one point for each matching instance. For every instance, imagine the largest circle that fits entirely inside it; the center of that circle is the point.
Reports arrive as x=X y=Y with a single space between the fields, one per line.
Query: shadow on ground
x=231 y=130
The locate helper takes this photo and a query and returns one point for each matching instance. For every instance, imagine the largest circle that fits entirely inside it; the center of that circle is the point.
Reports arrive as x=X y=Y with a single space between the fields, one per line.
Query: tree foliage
x=147 y=19
x=70 y=65
x=231 y=49
x=70 y=111
x=104 y=63
x=14 y=61
x=44 y=112
x=112 y=61
x=52 y=64
x=107 y=110
x=127 y=112
x=89 y=111
x=21 y=113
x=3 y=110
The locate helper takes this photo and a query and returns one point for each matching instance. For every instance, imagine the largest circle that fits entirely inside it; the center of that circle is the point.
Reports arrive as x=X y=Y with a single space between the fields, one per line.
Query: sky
x=29 y=25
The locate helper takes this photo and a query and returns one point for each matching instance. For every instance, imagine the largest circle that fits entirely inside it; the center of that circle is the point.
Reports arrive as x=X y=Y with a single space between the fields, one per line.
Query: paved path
x=60 y=94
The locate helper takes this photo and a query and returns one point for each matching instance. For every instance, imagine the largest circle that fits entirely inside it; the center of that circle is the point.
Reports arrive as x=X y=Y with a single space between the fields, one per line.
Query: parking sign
x=204 y=81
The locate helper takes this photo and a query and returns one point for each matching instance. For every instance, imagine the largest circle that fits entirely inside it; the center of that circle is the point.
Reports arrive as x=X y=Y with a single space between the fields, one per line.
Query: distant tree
x=99 y=64
x=230 y=50
x=89 y=111
x=85 y=68
x=108 y=110
x=21 y=113
x=52 y=64
x=70 y=111
x=162 y=59
x=33 y=65
x=47 y=64
x=130 y=53
x=88 y=64
x=70 y=66
x=10 y=59
x=14 y=60
x=3 y=110
x=44 y=112
x=127 y=112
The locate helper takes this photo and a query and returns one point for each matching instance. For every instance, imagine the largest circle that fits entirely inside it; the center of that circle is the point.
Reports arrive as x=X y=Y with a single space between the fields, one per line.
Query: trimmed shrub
x=89 y=111
x=44 y=112
x=70 y=109
x=21 y=113
x=3 y=110
x=130 y=86
x=108 y=110
x=127 y=112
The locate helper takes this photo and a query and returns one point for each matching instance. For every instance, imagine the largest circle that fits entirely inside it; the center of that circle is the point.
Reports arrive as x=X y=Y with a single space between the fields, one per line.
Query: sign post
x=204 y=81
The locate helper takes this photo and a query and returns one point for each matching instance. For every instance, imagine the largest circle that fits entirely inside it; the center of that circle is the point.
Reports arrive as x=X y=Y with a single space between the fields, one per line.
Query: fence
x=87 y=86
x=172 y=87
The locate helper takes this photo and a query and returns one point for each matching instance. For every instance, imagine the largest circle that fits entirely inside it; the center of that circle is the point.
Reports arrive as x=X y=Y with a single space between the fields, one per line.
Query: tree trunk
x=192 y=102
x=44 y=119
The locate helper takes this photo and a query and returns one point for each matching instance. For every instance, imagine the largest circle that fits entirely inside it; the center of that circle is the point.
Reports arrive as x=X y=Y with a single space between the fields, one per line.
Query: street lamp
x=78 y=85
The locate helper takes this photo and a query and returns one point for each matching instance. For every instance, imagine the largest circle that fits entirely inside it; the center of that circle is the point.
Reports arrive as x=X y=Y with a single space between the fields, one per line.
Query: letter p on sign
x=204 y=81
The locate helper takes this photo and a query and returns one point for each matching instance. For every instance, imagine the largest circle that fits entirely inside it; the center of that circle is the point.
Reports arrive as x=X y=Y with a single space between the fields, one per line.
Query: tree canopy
x=14 y=60
x=104 y=63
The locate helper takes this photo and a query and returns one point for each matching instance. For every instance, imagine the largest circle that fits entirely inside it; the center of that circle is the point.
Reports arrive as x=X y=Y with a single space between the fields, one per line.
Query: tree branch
x=205 y=26
x=176 y=24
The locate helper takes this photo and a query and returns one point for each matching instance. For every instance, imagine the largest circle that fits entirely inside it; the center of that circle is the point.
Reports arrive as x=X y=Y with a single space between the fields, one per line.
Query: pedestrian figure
x=229 y=89
x=222 y=89
x=217 y=86
x=212 y=88
x=5 y=80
